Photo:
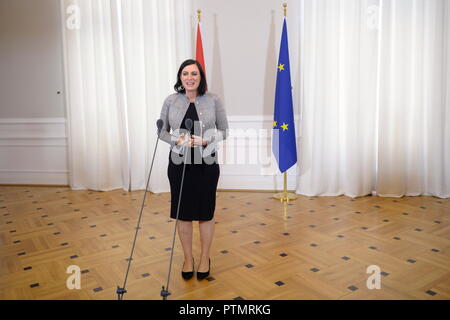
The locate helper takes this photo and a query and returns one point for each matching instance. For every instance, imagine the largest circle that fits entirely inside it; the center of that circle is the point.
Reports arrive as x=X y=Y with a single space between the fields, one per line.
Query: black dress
x=198 y=200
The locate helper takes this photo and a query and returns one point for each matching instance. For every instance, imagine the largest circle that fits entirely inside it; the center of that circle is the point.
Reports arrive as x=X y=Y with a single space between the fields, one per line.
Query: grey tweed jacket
x=212 y=125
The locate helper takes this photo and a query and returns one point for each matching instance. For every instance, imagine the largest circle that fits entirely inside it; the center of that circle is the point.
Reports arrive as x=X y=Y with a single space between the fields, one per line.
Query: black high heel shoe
x=188 y=275
x=203 y=275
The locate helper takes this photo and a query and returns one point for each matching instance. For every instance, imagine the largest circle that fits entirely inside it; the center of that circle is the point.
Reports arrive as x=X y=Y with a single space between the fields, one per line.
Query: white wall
x=32 y=114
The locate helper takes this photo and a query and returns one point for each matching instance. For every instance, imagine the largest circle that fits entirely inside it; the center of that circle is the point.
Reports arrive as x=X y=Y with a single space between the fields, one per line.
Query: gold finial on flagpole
x=198 y=14
x=284 y=7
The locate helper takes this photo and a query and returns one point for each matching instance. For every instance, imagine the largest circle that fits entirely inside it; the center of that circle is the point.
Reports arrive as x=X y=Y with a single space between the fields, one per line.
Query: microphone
x=122 y=290
x=165 y=289
x=188 y=123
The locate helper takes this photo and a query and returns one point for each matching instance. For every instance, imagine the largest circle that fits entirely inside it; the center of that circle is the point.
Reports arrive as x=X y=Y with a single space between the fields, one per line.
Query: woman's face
x=190 y=77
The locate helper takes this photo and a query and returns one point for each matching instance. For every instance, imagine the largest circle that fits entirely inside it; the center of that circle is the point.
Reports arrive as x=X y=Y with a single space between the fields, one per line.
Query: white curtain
x=414 y=121
x=121 y=59
x=338 y=63
x=374 y=103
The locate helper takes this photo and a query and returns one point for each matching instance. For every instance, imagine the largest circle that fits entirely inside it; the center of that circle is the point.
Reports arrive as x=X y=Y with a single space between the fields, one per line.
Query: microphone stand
x=121 y=290
x=165 y=290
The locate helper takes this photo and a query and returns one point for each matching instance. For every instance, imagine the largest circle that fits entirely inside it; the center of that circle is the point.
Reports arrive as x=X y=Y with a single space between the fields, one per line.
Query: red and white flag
x=199 y=49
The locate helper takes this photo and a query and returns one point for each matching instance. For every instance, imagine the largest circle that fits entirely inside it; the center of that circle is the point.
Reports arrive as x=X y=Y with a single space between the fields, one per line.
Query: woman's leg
x=185 y=234
x=206 y=237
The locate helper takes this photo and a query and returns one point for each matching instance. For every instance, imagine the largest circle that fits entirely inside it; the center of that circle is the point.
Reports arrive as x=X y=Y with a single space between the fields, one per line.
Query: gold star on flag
x=281 y=67
x=284 y=126
x=274 y=124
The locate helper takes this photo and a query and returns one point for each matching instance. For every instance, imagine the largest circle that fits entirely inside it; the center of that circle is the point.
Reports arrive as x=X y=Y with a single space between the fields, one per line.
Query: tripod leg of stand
x=165 y=293
x=121 y=290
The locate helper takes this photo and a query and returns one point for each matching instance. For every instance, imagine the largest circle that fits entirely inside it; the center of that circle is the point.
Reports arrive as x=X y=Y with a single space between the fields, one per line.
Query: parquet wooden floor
x=313 y=248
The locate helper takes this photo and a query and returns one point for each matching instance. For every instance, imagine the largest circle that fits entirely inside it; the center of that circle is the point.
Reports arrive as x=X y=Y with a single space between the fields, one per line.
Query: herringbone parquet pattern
x=313 y=248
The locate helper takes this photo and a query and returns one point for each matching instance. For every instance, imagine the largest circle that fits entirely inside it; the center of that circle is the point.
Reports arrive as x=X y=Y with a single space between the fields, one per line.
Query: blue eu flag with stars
x=284 y=142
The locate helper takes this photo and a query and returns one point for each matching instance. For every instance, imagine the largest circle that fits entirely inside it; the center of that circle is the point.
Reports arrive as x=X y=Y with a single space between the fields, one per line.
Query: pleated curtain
x=374 y=102
x=120 y=60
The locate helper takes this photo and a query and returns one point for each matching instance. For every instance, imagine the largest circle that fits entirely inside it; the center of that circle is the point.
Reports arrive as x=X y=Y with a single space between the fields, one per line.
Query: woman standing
x=198 y=200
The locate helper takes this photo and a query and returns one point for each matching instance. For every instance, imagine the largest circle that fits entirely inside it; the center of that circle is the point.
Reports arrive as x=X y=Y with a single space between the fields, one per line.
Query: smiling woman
x=191 y=79
x=199 y=175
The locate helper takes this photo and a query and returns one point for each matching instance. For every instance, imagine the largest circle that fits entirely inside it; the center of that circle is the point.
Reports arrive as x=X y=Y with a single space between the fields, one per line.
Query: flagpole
x=285 y=196
x=198 y=14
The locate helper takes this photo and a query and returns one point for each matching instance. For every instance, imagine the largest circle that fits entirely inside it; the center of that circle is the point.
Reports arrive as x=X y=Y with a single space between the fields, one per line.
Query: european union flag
x=284 y=142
